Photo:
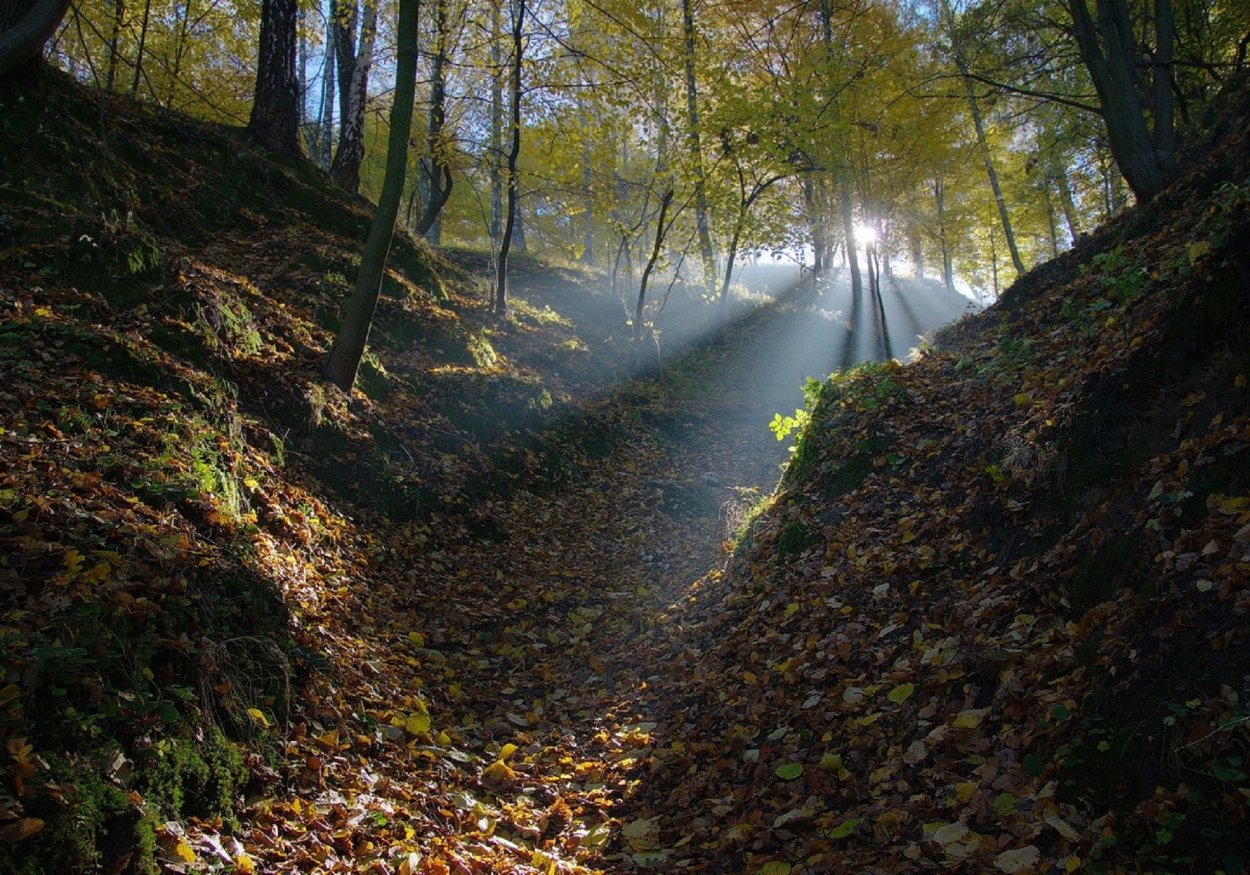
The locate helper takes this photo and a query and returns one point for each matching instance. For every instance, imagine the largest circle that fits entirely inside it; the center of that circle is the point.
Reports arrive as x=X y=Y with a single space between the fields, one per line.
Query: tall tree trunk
x=119 y=18
x=983 y=144
x=274 y=122
x=1111 y=62
x=496 y=122
x=349 y=344
x=916 y=245
x=355 y=91
x=588 y=195
x=948 y=271
x=328 y=82
x=848 y=232
x=1164 y=103
x=1066 y=203
x=695 y=146
x=143 y=41
x=510 y=220
x=25 y=27
x=660 y=229
x=437 y=172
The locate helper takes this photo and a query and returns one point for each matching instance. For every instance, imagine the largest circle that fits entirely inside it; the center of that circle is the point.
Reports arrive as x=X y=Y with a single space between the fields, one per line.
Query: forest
x=777 y=437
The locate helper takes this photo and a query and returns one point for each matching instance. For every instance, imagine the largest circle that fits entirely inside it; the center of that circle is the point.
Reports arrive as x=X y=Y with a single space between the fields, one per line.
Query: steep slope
x=997 y=619
x=199 y=538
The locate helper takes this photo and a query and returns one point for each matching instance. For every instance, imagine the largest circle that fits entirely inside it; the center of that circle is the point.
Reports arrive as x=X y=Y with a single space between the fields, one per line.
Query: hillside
x=463 y=620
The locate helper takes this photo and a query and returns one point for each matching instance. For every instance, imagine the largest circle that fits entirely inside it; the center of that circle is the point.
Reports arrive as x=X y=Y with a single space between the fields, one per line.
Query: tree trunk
x=355 y=91
x=1164 y=103
x=349 y=345
x=143 y=41
x=948 y=271
x=848 y=231
x=496 y=123
x=326 y=139
x=436 y=170
x=660 y=229
x=695 y=146
x=982 y=143
x=25 y=27
x=119 y=18
x=1111 y=62
x=274 y=122
x=510 y=220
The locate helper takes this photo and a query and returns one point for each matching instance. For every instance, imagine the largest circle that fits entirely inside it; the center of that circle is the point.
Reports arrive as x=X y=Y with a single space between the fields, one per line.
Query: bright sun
x=865 y=234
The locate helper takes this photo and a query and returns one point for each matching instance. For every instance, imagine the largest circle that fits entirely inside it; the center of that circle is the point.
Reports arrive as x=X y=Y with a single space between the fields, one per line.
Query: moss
x=795 y=538
x=200 y=778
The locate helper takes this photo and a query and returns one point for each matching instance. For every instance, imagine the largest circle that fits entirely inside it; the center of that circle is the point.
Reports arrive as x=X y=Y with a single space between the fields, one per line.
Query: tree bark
x=983 y=143
x=354 y=83
x=510 y=220
x=143 y=41
x=695 y=146
x=496 y=123
x=349 y=345
x=1111 y=64
x=25 y=27
x=660 y=229
x=436 y=170
x=274 y=122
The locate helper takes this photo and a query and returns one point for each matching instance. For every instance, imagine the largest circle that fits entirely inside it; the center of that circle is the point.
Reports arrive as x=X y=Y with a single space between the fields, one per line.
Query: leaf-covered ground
x=463 y=621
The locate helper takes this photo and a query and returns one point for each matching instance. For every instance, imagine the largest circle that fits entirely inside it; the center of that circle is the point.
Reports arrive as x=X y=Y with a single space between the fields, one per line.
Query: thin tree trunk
x=496 y=123
x=119 y=16
x=328 y=97
x=660 y=229
x=349 y=345
x=983 y=144
x=1066 y=204
x=274 y=122
x=501 y=264
x=948 y=271
x=588 y=195
x=143 y=41
x=695 y=146
x=436 y=171
x=1164 y=103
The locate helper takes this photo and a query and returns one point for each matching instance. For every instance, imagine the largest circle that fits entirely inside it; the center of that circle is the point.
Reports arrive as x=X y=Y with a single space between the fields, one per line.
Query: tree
x=274 y=121
x=436 y=180
x=514 y=150
x=1110 y=52
x=25 y=27
x=353 y=72
x=349 y=344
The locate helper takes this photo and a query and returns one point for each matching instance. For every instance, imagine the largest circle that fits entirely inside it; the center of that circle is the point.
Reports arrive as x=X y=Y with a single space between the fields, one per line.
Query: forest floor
x=512 y=606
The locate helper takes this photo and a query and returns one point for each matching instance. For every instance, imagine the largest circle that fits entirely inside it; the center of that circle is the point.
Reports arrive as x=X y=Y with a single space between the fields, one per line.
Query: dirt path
x=489 y=697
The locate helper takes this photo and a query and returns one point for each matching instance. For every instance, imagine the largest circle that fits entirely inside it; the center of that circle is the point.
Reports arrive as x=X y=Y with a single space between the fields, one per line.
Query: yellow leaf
x=901 y=693
x=507 y=750
x=964 y=790
x=416 y=639
x=9 y=693
x=244 y=865
x=498 y=774
x=749 y=677
x=259 y=716
x=184 y=851
x=73 y=561
x=416 y=723
x=970 y=719
x=869 y=719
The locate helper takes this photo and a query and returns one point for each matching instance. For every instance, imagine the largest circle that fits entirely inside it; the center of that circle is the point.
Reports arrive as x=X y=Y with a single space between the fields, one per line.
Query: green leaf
x=775 y=867
x=901 y=693
x=789 y=771
x=844 y=829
